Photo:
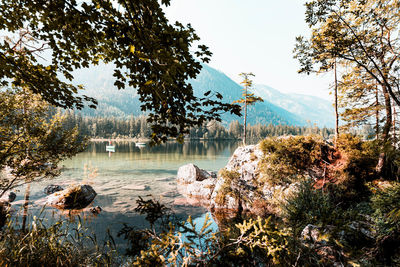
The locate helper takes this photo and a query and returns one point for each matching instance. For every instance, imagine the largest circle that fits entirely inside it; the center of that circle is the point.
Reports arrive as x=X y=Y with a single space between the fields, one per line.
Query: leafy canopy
x=33 y=138
x=148 y=52
x=362 y=34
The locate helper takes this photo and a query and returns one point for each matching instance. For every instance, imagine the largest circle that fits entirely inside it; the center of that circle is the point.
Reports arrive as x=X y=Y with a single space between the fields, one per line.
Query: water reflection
x=204 y=148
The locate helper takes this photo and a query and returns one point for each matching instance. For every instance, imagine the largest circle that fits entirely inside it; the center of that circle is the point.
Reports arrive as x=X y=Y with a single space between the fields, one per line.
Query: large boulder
x=8 y=196
x=245 y=162
x=198 y=189
x=74 y=197
x=239 y=179
x=194 y=182
x=190 y=173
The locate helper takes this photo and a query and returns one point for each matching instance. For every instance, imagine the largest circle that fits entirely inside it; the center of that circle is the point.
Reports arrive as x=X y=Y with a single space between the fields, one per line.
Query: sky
x=255 y=36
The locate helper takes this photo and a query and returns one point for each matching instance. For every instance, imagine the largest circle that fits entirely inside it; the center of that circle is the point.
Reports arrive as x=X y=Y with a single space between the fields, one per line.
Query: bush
x=359 y=159
x=55 y=245
x=287 y=159
x=311 y=206
x=386 y=205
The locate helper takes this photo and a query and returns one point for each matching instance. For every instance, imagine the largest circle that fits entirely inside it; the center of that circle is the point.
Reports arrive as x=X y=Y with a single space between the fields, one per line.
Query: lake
x=120 y=178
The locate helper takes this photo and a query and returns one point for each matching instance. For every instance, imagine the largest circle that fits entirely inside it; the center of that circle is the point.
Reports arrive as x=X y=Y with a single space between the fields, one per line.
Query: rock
x=189 y=202
x=311 y=233
x=190 y=173
x=165 y=179
x=170 y=194
x=95 y=210
x=8 y=196
x=202 y=189
x=220 y=193
x=245 y=161
x=362 y=228
x=194 y=182
x=316 y=237
x=136 y=187
x=50 y=189
x=74 y=197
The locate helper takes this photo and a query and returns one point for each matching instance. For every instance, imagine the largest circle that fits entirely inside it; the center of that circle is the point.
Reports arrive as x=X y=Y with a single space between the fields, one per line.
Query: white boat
x=110 y=148
x=140 y=144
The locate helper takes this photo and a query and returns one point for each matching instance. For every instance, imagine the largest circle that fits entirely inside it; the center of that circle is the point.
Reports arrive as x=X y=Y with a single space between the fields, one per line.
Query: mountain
x=277 y=107
x=99 y=83
x=262 y=112
x=310 y=108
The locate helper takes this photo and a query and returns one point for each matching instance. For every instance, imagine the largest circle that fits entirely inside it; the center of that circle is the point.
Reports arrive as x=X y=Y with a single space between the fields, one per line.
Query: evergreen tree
x=247 y=99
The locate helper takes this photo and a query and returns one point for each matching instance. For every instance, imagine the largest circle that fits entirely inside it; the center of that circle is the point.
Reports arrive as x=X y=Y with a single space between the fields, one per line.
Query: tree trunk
x=386 y=130
x=245 y=116
x=377 y=112
x=394 y=121
x=336 y=106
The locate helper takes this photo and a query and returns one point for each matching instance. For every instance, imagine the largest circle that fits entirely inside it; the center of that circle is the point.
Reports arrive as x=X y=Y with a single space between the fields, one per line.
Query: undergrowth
x=56 y=245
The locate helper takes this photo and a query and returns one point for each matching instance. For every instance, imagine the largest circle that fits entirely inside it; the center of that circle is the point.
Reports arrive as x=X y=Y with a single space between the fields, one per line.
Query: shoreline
x=146 y=140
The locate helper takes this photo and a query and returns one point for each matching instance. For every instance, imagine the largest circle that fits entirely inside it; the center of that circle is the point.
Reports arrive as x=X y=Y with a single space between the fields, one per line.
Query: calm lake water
x=120 y=178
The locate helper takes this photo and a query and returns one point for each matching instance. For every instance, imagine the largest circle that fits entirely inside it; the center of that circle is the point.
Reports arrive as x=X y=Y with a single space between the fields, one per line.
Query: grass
x=59 y=244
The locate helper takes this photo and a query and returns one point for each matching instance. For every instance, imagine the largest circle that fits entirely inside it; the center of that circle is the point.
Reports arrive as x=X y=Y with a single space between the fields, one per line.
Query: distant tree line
x=138 y=127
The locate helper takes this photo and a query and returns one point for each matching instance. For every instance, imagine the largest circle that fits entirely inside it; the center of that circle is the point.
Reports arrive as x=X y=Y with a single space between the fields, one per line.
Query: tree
x=148 y=52
x=247 y=99
x=33 y=137
x=360 y=34
x=302 y=53
x=33 y=141
x=359 y=99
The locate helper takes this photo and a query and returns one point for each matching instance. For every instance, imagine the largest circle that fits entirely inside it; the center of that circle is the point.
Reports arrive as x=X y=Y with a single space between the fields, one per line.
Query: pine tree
x=247 y=99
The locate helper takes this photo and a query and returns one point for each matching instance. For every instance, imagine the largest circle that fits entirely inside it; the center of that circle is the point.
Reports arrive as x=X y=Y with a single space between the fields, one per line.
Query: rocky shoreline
x=238 y=180
x=241 y=185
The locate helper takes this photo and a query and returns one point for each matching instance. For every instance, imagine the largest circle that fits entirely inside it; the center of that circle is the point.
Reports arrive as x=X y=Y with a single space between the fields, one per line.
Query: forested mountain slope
x=98 y=82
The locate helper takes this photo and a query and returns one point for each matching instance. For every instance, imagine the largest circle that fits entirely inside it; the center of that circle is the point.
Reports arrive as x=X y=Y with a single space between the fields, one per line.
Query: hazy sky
x=253 y=36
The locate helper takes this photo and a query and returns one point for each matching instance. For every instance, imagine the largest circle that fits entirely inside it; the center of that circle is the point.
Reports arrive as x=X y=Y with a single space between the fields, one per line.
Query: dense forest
x=138 y=127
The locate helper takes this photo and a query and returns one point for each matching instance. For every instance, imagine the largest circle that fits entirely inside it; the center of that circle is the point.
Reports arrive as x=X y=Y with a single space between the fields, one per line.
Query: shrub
x=311 y=206
x=54 y=245
x=386 y=205
x=359 y=159
x=287 y=159
x=231 y=178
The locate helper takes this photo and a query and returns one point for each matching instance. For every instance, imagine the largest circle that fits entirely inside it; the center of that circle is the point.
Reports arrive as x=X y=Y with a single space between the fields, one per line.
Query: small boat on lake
x=110 y=147
x=140 y=144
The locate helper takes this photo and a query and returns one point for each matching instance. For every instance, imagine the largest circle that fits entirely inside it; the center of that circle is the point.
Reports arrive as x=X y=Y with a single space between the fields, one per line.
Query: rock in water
x=96 y=210
x=190 y=173
x=136 y=187
x=50 y=189
x=8 y=196
x=194 y=182
x=75 y=197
